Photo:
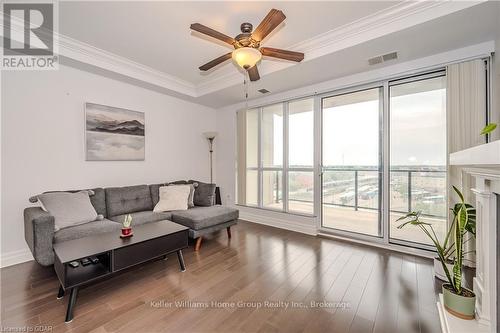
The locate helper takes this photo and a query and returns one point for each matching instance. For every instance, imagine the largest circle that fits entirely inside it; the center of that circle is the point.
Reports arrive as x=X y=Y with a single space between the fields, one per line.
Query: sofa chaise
x=114 y=204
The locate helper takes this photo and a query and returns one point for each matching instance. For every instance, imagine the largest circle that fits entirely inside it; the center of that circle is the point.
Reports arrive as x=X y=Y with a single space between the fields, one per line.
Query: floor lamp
x=210 y=136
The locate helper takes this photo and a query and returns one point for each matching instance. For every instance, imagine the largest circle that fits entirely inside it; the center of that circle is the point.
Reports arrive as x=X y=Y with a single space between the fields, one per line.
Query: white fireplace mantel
x=483 y=164
x=487 y=155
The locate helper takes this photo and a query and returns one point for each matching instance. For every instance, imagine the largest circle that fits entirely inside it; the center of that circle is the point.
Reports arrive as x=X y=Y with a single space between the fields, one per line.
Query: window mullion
x=259 y=158
x=285 y=157
x=385 y=190
x=318 y=162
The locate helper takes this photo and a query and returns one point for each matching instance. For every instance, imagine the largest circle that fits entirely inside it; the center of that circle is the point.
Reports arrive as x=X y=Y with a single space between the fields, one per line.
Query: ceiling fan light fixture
x=248 y=51
x=246 y=57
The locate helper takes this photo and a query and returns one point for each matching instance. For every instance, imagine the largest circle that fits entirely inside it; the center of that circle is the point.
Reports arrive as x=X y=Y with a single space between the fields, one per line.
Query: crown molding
x=390 y=20
x=395 y=18
x=74 y=49
x=406 y=68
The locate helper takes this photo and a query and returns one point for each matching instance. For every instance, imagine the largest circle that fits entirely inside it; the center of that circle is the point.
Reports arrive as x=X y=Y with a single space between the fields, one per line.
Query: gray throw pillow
x=192 y=188
x=204 y=194
x=68 y=209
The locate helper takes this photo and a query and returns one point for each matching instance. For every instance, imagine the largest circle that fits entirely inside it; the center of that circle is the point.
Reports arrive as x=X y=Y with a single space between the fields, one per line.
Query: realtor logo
x=28 y=36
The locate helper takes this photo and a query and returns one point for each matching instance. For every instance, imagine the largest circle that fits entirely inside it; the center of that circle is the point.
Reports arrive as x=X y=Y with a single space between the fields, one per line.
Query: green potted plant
x=448 y=246
x=127 y=229
x=457 y=299
x=448 y=257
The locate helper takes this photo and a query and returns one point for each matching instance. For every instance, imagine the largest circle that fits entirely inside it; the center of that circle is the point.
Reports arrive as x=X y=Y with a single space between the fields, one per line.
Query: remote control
x=74 y=264
x=85 y=261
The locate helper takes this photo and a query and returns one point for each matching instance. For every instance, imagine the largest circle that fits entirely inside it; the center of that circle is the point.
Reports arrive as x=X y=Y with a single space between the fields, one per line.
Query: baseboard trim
x=279 y=223
x=15 y=257
x=390 y=247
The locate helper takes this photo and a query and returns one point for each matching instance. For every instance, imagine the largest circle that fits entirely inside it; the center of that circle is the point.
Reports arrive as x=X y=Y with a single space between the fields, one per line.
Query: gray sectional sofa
x=113 y=204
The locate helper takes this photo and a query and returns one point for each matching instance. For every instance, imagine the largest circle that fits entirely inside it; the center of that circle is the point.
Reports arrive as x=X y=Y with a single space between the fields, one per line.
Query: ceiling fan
x=247 y=51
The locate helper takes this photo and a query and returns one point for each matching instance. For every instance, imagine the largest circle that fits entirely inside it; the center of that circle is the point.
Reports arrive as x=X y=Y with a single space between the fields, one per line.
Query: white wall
x=226 y=126
x=43 y=140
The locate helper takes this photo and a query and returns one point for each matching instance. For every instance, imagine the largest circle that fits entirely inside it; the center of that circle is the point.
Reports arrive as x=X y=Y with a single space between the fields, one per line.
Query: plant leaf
x=488 y=128
x=414 y=215
x=460 y=195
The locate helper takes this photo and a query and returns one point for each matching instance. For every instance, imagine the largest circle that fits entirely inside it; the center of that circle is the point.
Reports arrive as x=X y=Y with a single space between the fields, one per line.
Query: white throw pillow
x=68 y=209
x=192 y=188
x=173 y=198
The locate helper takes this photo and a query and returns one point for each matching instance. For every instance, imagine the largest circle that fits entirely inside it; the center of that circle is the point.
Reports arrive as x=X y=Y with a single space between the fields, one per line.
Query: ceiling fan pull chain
x=245 y=86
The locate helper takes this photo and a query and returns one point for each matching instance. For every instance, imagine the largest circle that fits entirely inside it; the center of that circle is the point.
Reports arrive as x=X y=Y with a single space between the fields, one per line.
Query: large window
x=368 y=154
x=301 y=156
x=279 y=157
x=252 y=157
x=272 y=156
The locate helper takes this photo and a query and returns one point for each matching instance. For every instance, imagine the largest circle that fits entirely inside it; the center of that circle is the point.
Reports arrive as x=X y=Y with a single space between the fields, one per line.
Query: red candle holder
x=126 y=232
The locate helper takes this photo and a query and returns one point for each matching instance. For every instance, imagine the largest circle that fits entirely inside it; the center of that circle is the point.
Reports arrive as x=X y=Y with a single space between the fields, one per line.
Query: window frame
x=441 y=72
x=382 y=156
x=383 y=81
x=284 y=169
x=287 y=159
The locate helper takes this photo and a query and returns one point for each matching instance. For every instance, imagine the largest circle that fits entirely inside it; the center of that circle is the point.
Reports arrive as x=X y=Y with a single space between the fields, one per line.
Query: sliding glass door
x=351 y=161
x=418 y=154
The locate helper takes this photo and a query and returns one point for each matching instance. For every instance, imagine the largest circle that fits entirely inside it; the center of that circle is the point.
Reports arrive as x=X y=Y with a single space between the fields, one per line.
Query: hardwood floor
x=259 y=272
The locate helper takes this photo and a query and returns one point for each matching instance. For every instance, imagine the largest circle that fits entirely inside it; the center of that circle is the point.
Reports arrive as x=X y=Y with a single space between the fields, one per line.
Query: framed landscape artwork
x=113 y=134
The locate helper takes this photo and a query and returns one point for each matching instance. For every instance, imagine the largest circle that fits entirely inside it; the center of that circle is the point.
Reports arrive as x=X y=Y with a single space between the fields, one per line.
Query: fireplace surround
x=480 y=169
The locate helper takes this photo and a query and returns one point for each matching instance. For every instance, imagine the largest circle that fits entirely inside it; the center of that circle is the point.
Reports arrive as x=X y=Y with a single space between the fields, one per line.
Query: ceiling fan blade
x=253 y=73
x=215 y=62
x=282 y=54
x=212 y=33
x=268 y=24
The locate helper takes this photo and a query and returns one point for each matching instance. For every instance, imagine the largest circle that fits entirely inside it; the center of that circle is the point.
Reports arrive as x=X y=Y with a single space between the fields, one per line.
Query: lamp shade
x=246 y=57
x=210 y=135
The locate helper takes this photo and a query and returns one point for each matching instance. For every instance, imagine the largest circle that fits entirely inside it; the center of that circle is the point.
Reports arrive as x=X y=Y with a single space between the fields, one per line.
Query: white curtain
x=466 y=113
x=466 y=104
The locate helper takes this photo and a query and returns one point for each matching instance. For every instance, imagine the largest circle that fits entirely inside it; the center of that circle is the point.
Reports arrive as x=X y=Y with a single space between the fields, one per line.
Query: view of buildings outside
x=351 y=179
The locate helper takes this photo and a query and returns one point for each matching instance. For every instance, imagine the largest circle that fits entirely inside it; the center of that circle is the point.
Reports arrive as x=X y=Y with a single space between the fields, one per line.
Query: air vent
x=383 y=58
x=375 y=60
x=263 y=91
x=390 y=56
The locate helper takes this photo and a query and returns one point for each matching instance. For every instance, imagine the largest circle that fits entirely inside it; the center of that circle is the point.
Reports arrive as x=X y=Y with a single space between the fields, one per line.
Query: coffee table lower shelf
x=150 y=241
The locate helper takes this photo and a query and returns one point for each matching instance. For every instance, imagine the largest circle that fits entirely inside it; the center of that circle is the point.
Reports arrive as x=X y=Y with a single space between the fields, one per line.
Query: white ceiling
x=433 y=37
x=157 y=35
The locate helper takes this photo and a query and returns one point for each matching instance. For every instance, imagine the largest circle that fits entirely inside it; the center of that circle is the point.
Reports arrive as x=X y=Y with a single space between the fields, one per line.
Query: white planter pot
x=439 y=271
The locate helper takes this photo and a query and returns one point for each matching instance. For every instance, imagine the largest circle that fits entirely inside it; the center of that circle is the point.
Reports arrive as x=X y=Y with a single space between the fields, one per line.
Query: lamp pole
x=210 y=136
x=211 y=143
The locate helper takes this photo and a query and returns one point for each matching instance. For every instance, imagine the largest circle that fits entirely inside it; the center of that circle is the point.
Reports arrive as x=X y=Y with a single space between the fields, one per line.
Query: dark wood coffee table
x=111 y=254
